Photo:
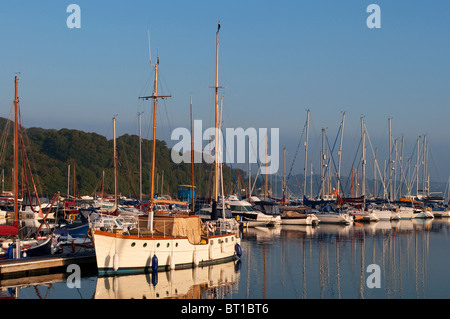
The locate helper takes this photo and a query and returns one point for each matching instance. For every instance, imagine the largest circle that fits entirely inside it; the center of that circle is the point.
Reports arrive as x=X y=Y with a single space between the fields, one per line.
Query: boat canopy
x=7 y=230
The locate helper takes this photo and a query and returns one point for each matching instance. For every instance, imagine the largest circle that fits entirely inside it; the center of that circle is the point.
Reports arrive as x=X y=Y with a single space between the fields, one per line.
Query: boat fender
x=116 y=262
x=155 y=263
x=9 y=251
x=238 y=250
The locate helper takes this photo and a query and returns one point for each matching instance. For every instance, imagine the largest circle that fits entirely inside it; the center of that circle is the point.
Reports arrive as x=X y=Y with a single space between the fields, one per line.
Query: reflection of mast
x=265 y=270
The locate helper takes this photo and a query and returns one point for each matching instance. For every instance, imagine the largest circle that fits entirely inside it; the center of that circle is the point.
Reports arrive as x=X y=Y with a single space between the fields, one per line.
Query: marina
x=287 y=262
x=310 y=203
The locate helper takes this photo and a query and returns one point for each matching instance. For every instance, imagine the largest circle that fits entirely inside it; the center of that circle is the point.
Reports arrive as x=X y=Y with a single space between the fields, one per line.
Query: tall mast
x=216 y=87
x=116 y=188
x=322 y=163
x=192 y=165
x=390 y=163
x=16 y=152
x=249 y=172
x=284 y=174
x=340 y=154
x=155 y=98
x=311 y=181
x=401 y=166
x=265 y=179
x=417 y=168
x=306 y=153
x=68 y=181
x=140 y=158
x=363 y=159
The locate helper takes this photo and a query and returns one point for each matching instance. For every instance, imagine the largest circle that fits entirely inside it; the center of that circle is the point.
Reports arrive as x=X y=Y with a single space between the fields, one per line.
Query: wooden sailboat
x=13 y=244
x=164 y=241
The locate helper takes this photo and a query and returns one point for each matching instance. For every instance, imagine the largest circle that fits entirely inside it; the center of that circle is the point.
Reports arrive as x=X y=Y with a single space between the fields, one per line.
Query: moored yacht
x=245 y=213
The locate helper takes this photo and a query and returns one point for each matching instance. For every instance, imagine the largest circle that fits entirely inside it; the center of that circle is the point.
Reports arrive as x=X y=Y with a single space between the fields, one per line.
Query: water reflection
x=290 y=262
x=212 y=282
x=330 y=261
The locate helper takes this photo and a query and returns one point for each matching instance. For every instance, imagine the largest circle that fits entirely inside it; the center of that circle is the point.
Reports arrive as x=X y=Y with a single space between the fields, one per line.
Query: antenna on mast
x=149 y=49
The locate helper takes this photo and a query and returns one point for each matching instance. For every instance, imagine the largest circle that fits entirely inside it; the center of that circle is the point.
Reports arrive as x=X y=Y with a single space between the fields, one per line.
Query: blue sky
x=277 y=59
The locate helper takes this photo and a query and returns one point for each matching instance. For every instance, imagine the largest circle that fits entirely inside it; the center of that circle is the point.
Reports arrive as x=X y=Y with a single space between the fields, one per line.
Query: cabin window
x=157 y=245
x=176 y=244
x=133 y=244
x=168 y=244
x=145 y=245
x=226 y=240
x=212 y=242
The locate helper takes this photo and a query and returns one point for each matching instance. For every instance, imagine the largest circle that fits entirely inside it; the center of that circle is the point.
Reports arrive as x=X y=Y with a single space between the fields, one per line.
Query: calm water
x=288 y=262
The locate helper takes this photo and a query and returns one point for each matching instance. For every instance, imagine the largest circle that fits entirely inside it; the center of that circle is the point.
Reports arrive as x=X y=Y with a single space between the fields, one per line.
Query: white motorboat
x=328 y=216
x=245 y=213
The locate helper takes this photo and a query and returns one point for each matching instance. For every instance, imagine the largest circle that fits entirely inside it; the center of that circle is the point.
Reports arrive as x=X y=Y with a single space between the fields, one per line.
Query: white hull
x=116 y=253
x=310 y=219
x=334 y=218
x=364 y=216
x=382 y=214
x=445 y=213
x=424 y=214
x=406 y=212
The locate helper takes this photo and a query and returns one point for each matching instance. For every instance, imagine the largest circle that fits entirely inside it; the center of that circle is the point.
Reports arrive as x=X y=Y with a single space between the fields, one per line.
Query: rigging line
x=296 y=152
x=353 y=165
x=331 y=155
x=377 y=166
x=5 y=134
x=434 y=163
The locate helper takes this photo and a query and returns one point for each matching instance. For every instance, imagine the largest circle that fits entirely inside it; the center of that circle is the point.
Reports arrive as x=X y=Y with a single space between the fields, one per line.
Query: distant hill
x=50 y=152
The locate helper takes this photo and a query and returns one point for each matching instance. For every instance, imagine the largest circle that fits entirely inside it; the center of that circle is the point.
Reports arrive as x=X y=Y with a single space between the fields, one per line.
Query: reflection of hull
x=263 y=233
x=308 y=230
x=184 y=283
x=336 y=229
x=116 y=253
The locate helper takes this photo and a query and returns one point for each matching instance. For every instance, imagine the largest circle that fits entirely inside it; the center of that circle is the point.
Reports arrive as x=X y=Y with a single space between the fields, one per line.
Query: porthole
x=133 y=244
x=145 y=245
x=226 y=240
x=176 y=244
x=212 y=242
x=157 y=245
x=168 y=244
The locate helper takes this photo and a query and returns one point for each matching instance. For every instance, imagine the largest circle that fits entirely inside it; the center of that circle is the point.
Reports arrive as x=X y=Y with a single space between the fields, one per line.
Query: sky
x=276 y=60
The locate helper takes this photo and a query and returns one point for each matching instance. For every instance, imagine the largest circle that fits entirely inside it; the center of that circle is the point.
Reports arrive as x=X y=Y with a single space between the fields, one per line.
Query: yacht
x=247 y=215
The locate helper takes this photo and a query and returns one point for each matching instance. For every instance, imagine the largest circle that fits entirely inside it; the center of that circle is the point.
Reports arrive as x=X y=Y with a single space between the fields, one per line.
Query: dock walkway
x=10 y=268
